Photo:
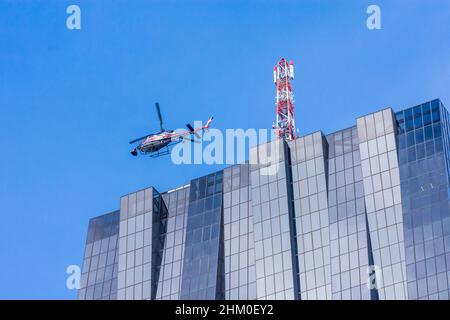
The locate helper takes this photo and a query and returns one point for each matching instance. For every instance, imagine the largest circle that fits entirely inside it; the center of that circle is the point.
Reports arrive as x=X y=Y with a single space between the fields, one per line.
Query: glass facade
x=382 y=197
x=275 y=242
x=172 y=253
x=422 y=135
x=361 y=213
x=308 y=166
x=136 y=258
x=203 y=275
x=239 y=244
x=99 y=271
x=349 y=250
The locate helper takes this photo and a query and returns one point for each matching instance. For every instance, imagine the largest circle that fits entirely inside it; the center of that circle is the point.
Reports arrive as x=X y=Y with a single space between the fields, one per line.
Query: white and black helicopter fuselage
x=152 y=144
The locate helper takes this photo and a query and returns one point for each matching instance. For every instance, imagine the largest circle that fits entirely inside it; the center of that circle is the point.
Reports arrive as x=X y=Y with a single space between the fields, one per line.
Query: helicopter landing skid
x=161 y=152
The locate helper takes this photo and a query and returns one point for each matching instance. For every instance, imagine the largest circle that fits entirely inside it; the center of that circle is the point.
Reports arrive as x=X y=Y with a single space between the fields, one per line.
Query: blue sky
x=71 y=100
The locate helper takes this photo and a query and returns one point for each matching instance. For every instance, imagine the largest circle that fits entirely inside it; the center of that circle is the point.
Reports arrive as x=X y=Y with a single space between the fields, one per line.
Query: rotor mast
x=283 y=74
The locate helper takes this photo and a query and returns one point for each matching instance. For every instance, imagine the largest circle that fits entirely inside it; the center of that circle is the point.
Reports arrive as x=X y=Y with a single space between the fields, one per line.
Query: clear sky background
x=71 y=100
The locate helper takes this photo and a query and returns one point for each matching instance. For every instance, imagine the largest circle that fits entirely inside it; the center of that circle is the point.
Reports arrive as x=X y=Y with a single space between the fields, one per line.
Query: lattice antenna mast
x=283 y=74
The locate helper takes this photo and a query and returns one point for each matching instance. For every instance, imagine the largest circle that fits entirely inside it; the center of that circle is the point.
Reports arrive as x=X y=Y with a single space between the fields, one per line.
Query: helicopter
x=157 y=144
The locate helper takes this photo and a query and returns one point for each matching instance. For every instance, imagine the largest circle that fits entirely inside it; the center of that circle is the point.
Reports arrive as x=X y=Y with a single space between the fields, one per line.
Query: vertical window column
x=240 y=280
x=311 y=209
x=135 y=245
x=381 y=179
x=272 y=222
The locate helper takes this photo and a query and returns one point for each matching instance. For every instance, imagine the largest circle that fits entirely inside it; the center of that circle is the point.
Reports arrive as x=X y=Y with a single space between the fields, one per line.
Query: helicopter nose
x=133 y=152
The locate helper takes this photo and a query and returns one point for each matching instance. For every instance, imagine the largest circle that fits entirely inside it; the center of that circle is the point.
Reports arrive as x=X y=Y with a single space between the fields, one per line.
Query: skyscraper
x=361 y=213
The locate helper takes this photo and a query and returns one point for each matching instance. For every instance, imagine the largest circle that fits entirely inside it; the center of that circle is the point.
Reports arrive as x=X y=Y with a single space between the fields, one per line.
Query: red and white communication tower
x=283 y=74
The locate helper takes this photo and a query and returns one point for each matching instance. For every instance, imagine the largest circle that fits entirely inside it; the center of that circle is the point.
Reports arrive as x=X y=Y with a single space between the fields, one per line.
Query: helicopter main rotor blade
x=192 y=131
x=189 y=139
x=138 y=139
x=159 y=116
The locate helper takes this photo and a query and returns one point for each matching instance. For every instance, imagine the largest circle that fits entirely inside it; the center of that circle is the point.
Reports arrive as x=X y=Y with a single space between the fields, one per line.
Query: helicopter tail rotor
x=208 y=123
